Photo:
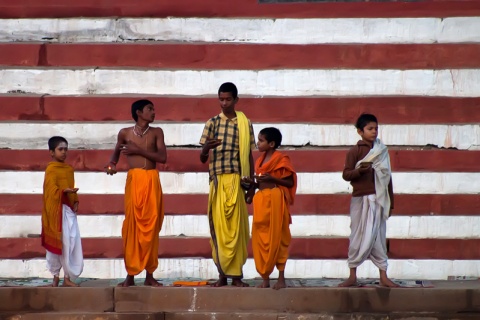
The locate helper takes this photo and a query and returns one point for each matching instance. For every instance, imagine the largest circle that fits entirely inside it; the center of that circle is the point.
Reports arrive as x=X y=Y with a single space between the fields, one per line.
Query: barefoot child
x=60 y=233
x=144 y=147
x=367 y=167
x=230 y=137
x=277 y=183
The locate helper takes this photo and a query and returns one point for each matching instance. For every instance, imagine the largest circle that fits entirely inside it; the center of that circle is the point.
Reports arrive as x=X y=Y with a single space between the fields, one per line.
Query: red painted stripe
x=304 y=160
x=328 y=110
x=246 y=56
x=300 y=248
x=305 y=204
x=246 y=8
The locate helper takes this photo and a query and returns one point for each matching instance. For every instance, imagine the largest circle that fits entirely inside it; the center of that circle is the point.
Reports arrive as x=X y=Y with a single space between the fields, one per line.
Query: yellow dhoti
x=228 y=217
x=143 y=220
x=270 y=231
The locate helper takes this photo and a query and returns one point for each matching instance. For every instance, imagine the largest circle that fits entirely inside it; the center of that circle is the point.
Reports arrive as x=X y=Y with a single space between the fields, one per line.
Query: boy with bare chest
x=143 y=147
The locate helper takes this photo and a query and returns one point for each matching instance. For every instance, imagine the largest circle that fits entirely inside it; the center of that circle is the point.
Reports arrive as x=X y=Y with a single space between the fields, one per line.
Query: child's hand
x=211 y=144
x=264 y=178
x=70 y=190
x=130 y=148
x=247 y=180
x=365 y=167
x=110 y=169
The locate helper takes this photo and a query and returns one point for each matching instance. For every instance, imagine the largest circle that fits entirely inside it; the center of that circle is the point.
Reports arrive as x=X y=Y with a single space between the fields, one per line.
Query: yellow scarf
x=244 y=142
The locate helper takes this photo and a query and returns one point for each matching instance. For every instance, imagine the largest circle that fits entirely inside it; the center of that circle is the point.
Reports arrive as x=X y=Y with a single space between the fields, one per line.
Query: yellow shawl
x=244 y=142
x=58 y=177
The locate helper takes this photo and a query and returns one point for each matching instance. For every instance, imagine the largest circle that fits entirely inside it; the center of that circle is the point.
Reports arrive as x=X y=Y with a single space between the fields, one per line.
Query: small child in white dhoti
x=367 y=167
x=60 y=233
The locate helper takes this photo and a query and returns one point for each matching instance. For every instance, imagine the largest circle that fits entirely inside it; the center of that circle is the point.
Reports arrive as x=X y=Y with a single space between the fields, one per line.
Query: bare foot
x=221 y=282
x=350 y=282
x=386 y=282
x=69 y=283
x=280 y=284
x=239 y=283
x=150 y=281
x=55 y=282
x=265 y=284
x=128 y=282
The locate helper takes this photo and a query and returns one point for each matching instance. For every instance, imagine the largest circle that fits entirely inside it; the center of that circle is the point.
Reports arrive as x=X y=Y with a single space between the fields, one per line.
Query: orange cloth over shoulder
x=58 y=177
x=279 y=166
x=143 y=220
x=271 y=218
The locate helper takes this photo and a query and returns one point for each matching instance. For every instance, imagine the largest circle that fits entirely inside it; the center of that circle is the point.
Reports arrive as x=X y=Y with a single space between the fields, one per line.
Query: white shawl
x=380 y=159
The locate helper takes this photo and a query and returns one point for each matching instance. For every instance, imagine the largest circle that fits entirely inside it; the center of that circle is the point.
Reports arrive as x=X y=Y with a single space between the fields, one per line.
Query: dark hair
x=53 y=142
x=138 y=106
x=272 y=134
x=229 y=87
x=364 y=119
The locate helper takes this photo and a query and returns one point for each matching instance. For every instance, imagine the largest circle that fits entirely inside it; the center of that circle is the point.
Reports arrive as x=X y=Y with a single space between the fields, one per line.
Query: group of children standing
x=235 y=180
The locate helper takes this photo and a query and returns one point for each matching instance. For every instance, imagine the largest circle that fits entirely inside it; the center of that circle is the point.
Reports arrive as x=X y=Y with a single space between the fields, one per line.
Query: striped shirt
x=226 y=157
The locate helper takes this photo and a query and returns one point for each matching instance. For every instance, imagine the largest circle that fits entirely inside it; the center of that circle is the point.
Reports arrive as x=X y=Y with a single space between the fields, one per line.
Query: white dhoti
x=71 y=258
x=368 y=238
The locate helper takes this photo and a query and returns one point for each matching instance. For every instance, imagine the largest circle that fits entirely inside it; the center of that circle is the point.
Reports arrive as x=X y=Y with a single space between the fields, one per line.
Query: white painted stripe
x=29 y=182
x=205 y=269
x=333 y=82
x=288 y=31
x=93 y=135
x=398 y=227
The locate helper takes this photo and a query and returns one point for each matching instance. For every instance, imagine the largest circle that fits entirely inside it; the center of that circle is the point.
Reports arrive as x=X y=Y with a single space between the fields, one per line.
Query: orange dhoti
x=270 y=231
x=271 y=215
x=143 y=220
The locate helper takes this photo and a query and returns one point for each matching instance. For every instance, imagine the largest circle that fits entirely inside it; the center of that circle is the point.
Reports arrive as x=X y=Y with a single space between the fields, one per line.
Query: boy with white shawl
x=367 y=167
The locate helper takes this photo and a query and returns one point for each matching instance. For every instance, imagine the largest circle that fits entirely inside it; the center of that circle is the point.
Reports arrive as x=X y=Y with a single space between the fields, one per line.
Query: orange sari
x=271 y=216
x=58 y=177
x=143 y=220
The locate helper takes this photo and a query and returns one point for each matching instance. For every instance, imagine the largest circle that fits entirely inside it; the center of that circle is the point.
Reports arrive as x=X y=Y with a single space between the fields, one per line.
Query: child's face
x=147 y=113
x=369 y=132
x=227 y=102
x=263 y=145
x=60 y=152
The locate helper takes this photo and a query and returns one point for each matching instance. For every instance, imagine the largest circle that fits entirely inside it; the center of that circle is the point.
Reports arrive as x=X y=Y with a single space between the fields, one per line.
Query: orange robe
x=143 y=220
x=271 y=216
x=58 y=177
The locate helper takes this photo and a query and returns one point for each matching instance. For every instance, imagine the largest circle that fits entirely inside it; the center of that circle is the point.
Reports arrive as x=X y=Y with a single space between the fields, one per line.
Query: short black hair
x=138 y=106
x=229 y=87
x=364 y=119
x=272 y=134
x=54 y=141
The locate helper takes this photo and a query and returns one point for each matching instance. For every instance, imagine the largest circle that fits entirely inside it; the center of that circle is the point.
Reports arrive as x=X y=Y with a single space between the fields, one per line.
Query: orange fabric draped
x=58 y=177
x=271 y=218
x=143 y=220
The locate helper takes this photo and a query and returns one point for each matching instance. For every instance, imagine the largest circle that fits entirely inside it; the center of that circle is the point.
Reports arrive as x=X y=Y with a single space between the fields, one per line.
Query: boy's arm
x=284 y=182
x=111 y=166
x=349 y=171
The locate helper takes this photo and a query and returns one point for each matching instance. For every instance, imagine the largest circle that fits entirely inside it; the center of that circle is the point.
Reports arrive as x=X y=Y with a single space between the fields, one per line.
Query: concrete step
x=83 y=316
x=238 y=315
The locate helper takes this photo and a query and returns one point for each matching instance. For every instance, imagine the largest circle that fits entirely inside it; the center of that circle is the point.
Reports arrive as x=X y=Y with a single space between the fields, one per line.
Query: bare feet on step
x=69 y=283
x=239 y=283
x=265 y=284
x=128 y=282
x=151 y=281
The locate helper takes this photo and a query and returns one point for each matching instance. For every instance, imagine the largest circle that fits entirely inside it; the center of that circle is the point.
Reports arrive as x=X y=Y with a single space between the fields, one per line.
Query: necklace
x=140 y=134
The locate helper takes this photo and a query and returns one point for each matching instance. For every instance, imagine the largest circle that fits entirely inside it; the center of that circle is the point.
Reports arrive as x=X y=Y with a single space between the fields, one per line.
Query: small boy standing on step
x=367 y=167
x=277 y=183
x=60 y=232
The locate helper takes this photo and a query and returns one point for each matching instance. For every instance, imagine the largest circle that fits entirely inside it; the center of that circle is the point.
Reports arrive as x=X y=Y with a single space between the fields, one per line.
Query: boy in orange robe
x=144 y=147
x=60 y=233
x=277 y=183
